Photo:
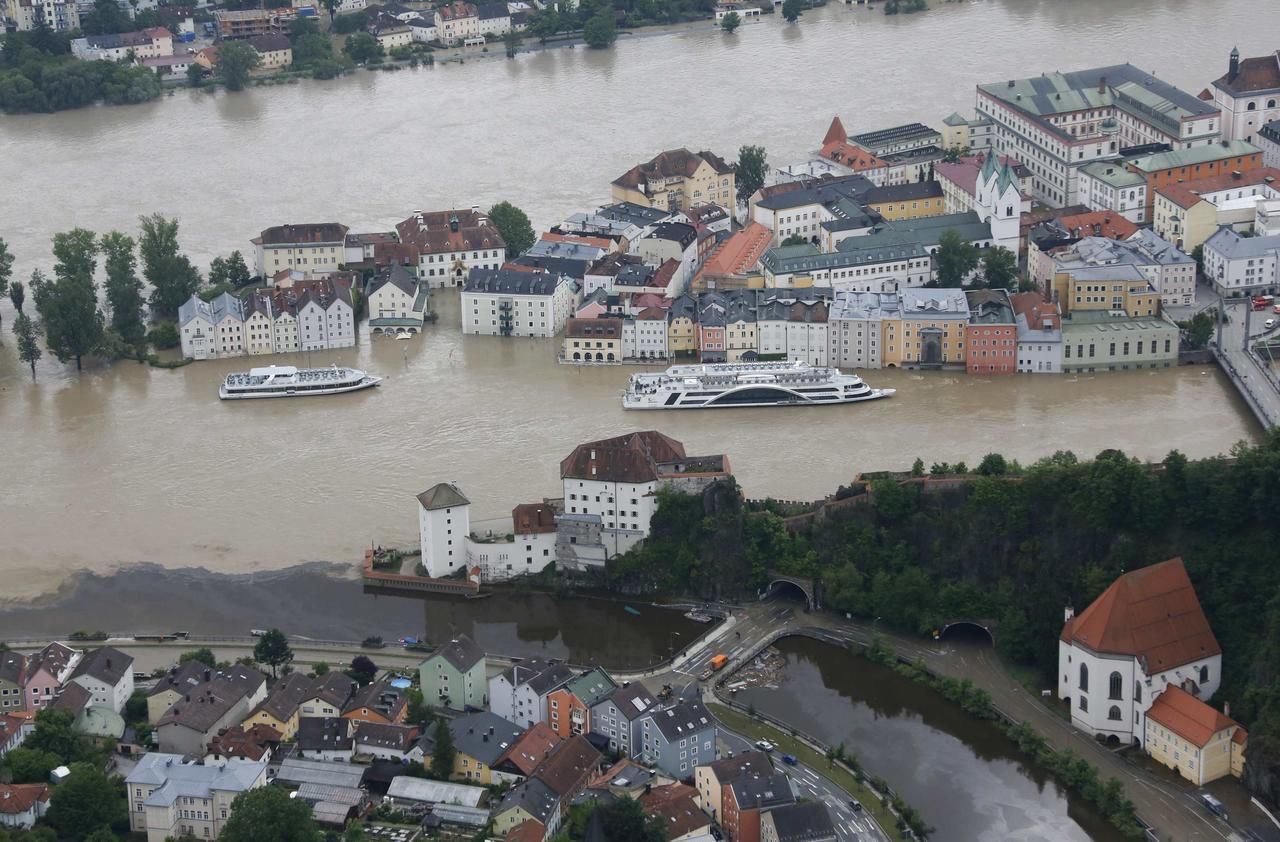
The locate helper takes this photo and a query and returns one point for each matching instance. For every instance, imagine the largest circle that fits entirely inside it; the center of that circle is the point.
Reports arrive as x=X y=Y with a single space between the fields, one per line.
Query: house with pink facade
x=47 y=671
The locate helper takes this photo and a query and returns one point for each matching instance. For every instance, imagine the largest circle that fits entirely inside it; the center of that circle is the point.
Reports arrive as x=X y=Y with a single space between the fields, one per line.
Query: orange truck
x=718 y=661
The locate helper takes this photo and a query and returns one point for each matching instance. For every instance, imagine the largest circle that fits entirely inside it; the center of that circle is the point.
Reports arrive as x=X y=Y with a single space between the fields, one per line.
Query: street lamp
x=671 y=643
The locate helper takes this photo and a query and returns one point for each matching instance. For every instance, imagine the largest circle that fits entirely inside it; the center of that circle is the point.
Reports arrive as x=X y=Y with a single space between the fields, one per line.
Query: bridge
x=809 y=587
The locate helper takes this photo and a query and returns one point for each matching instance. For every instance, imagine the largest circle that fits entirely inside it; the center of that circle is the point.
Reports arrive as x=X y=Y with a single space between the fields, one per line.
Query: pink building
x=47 y=671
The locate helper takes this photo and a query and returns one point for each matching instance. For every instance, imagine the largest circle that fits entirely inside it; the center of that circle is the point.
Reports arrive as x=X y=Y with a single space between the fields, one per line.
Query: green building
x=454 y=676
x=1098 y=340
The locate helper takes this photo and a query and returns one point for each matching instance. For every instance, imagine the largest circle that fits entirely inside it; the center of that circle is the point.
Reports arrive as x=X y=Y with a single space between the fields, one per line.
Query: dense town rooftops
x=1033 y=313
x=674 y=163
x=633 y=214
x=1186 y=194
x=530 y=748
x=1121 y=86
x=286 y=697
x=74 y=698
x=761 y=790
x=512 y=282
x=21 y=798
x=964 y=171
x=591 y=687
x=434 y=792
x=54 y=659
x=802 y=822
x=571 y=764
x=399 y=738
x=678 y=232
x=457 y=11
x=175 y=779
x=492 y=11
x=377 y=696
x=740 y=253
x=1152 y=614
x=436 y=232
x=814 y=192
x=867 y=306
x=1187 y=716
x=252 y=743
x=1254 y=75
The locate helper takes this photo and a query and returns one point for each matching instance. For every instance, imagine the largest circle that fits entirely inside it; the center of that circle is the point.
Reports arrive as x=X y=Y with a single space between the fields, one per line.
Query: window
x=1204 y=675
x=1117 y=687
x=1084 y=678
x=1084 y=704
x=1137 y=692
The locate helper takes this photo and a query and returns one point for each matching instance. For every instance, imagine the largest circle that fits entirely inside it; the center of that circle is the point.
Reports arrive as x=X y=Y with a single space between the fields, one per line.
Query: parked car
x=854 y=805
x=1269 y=323
x=764 y=745
x=789 y=759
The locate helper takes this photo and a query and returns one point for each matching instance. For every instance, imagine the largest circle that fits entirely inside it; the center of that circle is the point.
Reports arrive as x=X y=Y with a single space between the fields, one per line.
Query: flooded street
x=963 y=775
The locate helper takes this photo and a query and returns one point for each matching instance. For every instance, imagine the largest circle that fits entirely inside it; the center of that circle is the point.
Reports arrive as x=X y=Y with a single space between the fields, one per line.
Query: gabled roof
x=378 y=696
x=1188 y=717
x=1253 y=76
x=334 y=688
x=632 y=701
x=682 y=720
x=731 y=768
x=324 y=733
x=20 y=798
x=107 y=664
x=569 y=767
x=531 y=748
x=13 y=667
x=484 y=736
x=461 y=652
x=1152 y=614
x=285 y=698
x=54 y=659
x=1186 y=194
x=679 y=815
x=303 y=233
x=802 y=822
x=74 y=698
x=442 y=495
x=630 y=458
x=761 y=790
x=533 y=518
x=394 y=737
x=250 y=743
x=592 y=686
x=673 y=163
x=534 y=797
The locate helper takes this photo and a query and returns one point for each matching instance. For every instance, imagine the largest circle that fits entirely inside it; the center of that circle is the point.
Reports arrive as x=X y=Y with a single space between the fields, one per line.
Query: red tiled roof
x=1261 y=73
x=598 y=242
x=835 y=132
x=1188 y=717
x=739 y=253
x=649 y=300
x=672 y=163
x=1151 y=613
x=850 y=156
x=531 y=748
x=432 y=232
x=662 y=278
x=569 y=767
x=680 y=815
x=527 y=831
x=1103 y=223
x=631 y=458
x=531 y=518
x=652 y=314
x=19 y=798
x=1187 y=193
x=1035 y=308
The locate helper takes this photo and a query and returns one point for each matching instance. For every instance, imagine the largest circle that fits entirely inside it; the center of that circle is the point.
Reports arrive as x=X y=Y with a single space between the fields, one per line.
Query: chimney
x=1233 y=65
x=1102 y=84
x=109 y=660
x=1226 y=709
x=208 y=674
x=1067 y=614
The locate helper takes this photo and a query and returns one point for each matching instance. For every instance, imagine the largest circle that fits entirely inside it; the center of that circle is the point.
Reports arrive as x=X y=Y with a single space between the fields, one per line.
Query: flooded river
x=963 y=775
x=125 y=464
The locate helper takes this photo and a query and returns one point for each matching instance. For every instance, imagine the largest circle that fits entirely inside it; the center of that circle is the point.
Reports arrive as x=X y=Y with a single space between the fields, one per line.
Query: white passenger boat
x=746 y=384
x=286 y=381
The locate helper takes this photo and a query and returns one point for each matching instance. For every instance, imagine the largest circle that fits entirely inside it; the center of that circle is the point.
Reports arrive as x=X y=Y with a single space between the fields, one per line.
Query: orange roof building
x=735 y=258
x=1199 y=742
x=1143 y=634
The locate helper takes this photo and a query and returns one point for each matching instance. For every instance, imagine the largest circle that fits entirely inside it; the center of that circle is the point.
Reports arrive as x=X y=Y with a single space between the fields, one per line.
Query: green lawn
x=787 y=744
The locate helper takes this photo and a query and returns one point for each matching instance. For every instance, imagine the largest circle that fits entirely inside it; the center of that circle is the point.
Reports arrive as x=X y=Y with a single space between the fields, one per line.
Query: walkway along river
x=963 y=775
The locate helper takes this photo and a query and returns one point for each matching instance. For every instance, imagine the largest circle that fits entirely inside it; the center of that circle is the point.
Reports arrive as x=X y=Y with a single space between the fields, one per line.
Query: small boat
x=630 y=610
x=698 y=617
x=286 y=381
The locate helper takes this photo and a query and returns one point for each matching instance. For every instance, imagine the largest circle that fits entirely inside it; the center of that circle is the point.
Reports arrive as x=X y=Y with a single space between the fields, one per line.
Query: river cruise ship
x=708 y=385
x=286 y=381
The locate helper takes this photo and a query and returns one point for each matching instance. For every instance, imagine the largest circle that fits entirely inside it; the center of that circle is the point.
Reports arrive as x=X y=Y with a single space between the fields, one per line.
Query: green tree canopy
x=954 y=260
x=236 y=59
x=730 y=22
x=18 y=294
x=85 y=802
x=6 y=267
x=30 y=766
x=172 y=278
x=124 y=289
x=204 y=655
x=273 y=650
x=26 y=331
x=268 y=813
x=68 y=305
x=362 y=47
x=792 y=9
x=443 y=753
x=999 y=268
x=514 y=226
x=751 y=169
x=601 y=30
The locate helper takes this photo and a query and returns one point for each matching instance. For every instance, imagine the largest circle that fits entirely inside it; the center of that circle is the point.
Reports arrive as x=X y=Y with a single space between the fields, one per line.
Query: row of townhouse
x=100 y=678
x=609 y=495
x=311 y=314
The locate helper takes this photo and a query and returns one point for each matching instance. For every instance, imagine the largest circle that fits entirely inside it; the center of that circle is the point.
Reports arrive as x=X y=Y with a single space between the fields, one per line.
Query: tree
x=730 y=22
x=514 y=226
x=302 y=26
x=792 y=9
x=1197 y=254
x=68 y=305
x=29 y=765
x=18 y=294
x=195 y=74
x=204 y=655
x=362 y=47
x=1199 y=329
x=999 y=268
x=419 y=712
x=796 y=240
x=751 y=169
x=268 y=812
x=320 y=668
x=124 y=289
x=172 y=277
x=102 y=834
x=236 y=59
x=331 y=6
x=625 y=819
x=513 y=39
x=273 y=650
x=363 y=669
x=27 y=331
x=107 y=18
x=601 y=31
x=443 y=753
x=311 y=49
x=164 y=336
x=954 y=260
x=6 y=266
x=993 y=464
x=85 y=802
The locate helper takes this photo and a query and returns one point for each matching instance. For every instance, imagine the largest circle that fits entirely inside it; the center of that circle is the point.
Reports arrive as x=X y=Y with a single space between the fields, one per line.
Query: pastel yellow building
x=739 y=337
x=1111 y=288
x=677 y=180
x=929 y=331
x=682 y=329
x=1199 y=742
x=908 y=201
x=281 y=708
x=592 y=340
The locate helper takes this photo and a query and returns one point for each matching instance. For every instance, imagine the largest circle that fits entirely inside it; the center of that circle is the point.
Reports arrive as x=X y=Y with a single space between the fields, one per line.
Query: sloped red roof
x=1188 y=717
x=531 y=748
x=1260 y=73
x=1151 y=613
x=631 y=458
x=1103 y=223
x=528 y=518
x=19 y=798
